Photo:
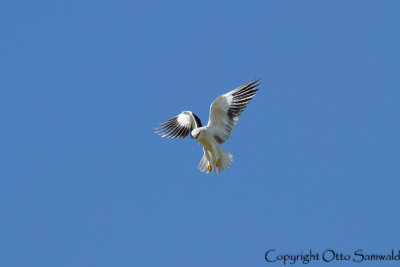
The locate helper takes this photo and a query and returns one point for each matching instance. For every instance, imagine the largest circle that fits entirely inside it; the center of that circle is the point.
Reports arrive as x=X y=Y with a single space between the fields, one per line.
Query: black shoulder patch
x=198 y=121
x=219 y=140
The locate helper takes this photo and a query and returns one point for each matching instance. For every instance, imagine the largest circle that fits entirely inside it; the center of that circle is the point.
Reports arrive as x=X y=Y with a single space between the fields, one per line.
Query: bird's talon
x=209 y=166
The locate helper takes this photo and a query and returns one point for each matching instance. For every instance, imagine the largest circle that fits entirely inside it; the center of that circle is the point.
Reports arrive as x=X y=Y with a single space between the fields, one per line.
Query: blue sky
x=86 y=182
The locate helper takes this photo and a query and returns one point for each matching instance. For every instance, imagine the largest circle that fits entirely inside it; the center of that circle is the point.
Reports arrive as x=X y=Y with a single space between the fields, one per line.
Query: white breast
x=205 y=140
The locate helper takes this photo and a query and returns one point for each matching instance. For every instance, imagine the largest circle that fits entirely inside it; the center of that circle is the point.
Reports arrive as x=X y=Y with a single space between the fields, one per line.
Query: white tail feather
x=223 y=162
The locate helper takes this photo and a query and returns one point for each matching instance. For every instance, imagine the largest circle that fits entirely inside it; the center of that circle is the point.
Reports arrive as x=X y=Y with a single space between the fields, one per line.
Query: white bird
x=224 y=113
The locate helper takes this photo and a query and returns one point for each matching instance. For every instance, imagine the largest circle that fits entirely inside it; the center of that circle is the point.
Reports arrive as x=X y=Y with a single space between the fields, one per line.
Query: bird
x=224 y=114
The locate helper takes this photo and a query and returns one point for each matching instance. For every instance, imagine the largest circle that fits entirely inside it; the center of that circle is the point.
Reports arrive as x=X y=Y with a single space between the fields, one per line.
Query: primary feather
x=226 y=109
x=179 y=126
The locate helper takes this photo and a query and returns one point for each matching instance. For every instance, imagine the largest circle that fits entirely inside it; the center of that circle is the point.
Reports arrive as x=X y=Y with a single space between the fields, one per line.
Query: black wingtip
x=256 y=82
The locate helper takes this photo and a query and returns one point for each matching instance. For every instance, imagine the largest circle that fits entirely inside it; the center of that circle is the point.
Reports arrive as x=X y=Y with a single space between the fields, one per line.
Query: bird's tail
x=224 y=161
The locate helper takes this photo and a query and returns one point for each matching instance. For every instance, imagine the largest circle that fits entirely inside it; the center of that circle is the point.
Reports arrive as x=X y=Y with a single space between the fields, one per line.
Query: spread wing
x=226 y=109
x=179 y=126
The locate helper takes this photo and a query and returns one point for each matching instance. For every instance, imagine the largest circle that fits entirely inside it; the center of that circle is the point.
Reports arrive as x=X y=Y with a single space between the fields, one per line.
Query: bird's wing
x=179 y=126
x=226 y=109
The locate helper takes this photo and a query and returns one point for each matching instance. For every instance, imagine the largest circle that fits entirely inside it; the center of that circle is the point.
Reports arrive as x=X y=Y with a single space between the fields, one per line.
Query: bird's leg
x=215 y=153
x=208 y=159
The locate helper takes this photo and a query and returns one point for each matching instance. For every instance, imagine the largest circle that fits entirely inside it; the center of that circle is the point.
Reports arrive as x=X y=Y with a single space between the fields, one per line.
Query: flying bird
x=224 y=114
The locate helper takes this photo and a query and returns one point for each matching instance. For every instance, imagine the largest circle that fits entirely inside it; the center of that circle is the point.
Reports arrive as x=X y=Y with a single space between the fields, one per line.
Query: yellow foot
x=209 y=166
x=217 y=163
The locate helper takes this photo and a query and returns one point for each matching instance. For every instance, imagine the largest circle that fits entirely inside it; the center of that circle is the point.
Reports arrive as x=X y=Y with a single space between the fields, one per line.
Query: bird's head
x=195 y=133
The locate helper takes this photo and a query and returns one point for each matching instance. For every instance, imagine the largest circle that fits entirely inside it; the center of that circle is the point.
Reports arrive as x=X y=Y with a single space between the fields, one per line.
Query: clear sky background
x=84 y=181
